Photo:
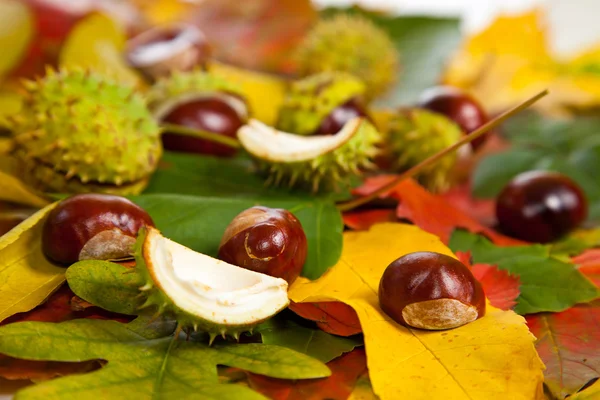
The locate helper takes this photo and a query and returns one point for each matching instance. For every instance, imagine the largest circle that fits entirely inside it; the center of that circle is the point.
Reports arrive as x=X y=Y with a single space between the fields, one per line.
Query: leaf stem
x=352 y=204
x=201 y=134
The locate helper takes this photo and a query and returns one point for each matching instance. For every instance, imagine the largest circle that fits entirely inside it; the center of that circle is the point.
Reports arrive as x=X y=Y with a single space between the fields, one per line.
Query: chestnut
x=338 y=117
x=458 y=106
x=540 y=206
x=266 y=240
x=220 y=113
x=92 y=227
x=159 y=51
x=429 y=290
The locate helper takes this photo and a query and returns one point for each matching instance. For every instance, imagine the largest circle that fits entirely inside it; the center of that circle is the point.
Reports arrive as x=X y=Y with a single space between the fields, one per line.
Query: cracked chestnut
x=266 y=240
x=429 y=290
x=92 y=227
x=159 y=51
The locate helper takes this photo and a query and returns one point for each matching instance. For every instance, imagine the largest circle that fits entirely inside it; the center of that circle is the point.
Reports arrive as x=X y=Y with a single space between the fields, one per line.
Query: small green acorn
x=353 y=44
x=413 y=135
x=82 y=132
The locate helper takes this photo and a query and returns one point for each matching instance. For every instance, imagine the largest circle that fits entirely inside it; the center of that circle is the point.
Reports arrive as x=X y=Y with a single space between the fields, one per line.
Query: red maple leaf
x=332 y=317
x=500 y=288
x=460 y=198
x=430 y=212
x=345 y=371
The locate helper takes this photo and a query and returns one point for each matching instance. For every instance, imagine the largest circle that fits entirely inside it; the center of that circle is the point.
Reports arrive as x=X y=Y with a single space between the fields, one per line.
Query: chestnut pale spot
x=107 y=245
x=439 y=314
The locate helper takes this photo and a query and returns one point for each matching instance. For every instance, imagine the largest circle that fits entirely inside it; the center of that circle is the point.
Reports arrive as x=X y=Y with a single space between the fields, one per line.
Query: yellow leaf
x=27 y=278
x=590 y=393
x=13 y=190
x=264 y=92
x=163 y=11
x=16 y=32
x=97 y=43
x=491 y=358
x=363 y=389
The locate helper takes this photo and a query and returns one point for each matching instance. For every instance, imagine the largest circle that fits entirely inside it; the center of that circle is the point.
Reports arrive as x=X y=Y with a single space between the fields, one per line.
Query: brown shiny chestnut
x=266 y=240
x=541 y=206
x=92 y=227
x=432 y=291
x=340 y=115
x=220 y=114
x=159 y=51
x=458 y=106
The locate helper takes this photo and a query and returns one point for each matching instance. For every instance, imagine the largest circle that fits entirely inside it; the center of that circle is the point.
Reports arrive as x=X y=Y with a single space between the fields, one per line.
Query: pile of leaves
x=540 y=337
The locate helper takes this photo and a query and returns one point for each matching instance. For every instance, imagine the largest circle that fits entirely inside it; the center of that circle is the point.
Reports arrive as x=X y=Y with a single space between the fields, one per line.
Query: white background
x=573 y=26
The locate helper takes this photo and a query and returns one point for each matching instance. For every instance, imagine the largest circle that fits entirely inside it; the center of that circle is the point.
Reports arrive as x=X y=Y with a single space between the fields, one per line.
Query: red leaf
x=345 y=371
x=460 y=198
x=567 y=343
x=430 y=212
x=501 y=288
x=56 y=309
x=589 y=265
x=363 y=219
x=332 y=317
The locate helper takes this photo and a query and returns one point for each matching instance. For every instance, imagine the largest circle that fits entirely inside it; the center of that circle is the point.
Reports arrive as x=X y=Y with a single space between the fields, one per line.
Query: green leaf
x=310 y=341
x=547 y=283
x=139 y=368
x=425 y=45
x=107 y=285
x=16 y=31
x=569 y=147
x=27 y=278
x=199 y=223
x=576 y=242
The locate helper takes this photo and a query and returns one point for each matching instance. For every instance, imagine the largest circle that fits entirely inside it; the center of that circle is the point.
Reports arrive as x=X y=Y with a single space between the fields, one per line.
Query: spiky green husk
x=81 y=132
x=311 y=99
x=414 y=135
x=167 y=92
x=351 y=44
x=159 y=303
x=332 y=170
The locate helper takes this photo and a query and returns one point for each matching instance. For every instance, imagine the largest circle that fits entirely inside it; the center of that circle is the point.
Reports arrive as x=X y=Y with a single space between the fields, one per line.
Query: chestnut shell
x=78 y=219
x=425 y=276
x=540 y=206
x=266 y=240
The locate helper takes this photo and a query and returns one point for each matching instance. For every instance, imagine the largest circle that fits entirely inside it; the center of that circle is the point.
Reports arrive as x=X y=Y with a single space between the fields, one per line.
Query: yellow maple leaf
x=590 y=393
x=491 y=358
x=511 y=59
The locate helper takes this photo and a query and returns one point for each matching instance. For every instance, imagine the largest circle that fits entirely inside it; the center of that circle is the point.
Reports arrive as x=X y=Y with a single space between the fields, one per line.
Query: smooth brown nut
x=158 y=52
x=266 y=240
x=92 y=227
x=430 y=290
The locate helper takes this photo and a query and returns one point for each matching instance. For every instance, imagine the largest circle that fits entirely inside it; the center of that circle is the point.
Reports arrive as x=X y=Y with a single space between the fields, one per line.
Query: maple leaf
x=481 y=210
x=492 y=357
x=142 y=367
x=345 y=371
x=333 y=317
x=500 y=288
x=547 y=283
x=362 y=220
x=430 y=212
x=567 y=343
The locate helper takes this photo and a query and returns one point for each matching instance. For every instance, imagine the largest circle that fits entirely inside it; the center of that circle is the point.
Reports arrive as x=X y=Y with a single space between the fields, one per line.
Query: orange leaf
x=345 y=371
x=430 y=212
x=332 y=317
x=589 y=265
x=363 y=219
x=460 y=198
